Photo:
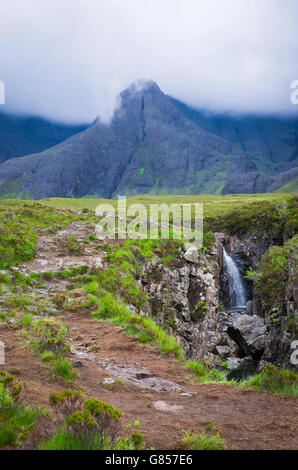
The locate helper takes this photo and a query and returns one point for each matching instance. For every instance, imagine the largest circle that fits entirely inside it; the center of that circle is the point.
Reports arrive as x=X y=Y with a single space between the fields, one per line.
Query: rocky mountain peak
x=140 y=87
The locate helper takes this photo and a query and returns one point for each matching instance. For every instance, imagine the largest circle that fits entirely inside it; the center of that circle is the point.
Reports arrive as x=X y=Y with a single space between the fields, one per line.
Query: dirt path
x=245 y=418
x=156 y=390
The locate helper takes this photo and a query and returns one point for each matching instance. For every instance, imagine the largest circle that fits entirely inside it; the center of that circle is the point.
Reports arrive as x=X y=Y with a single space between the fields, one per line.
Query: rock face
x=186 y=300
x=282 y=318
x=286 y=178
x=270 y=140
x=249 y=332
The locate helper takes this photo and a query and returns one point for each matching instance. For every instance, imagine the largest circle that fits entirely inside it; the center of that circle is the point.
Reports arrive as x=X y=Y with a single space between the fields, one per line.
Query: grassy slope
x=213 y=205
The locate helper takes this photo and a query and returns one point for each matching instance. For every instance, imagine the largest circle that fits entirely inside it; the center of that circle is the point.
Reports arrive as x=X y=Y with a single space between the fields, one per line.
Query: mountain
x=271 y=141
x=152 y=145
x=24 y=135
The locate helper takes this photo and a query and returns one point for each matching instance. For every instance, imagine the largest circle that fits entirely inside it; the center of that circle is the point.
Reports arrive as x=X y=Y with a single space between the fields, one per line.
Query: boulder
x=191 y=255
x=249 y=332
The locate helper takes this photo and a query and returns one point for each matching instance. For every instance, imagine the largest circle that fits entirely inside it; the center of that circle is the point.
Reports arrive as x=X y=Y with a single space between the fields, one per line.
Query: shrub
x=63 y=368
x=16 y=418
x=88 y=425
x=73 y=246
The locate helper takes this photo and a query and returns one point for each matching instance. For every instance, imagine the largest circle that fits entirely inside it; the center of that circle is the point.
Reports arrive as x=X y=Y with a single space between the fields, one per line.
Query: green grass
x=213 y=205
x=20 y=224
x=205 y=441
x=47 y=356
x=63 y=369
x=16 y=418
x=276 y=380
x=65 y=440
x=228 y=213
x=139 y=326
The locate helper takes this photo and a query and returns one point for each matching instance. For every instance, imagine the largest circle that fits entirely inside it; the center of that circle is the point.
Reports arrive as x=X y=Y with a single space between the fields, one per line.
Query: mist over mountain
x=155 y=144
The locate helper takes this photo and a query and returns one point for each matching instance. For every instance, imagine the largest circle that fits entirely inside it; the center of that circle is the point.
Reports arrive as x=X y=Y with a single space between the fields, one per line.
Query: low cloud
x=69 y=59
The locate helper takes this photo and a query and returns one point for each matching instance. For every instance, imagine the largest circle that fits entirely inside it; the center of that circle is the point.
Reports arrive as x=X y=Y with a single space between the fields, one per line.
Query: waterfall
x=236 y=288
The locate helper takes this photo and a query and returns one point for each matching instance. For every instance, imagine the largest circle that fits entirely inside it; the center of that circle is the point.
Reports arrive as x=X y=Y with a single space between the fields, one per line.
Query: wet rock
x=249 y=308
x=249 y=332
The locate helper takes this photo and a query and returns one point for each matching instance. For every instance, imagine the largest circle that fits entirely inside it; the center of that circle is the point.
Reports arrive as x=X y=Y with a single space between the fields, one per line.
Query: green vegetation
x=21 y=222
x=214 y=206
x=271 y=274
x=139 y=326
x=273 y=379
x=269 y=218
x=88 y=425
x=63 y=368
x=16 y=419
x=205 y=441
x=47 y=337
x=73 y=246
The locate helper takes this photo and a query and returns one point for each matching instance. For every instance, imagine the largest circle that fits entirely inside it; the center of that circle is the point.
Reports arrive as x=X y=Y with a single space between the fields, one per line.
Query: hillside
x=24 y=135
x=151 y=146
x=271 y=141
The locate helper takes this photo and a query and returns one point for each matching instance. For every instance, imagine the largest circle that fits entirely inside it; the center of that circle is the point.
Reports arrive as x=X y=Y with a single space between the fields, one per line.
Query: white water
x=236 y=288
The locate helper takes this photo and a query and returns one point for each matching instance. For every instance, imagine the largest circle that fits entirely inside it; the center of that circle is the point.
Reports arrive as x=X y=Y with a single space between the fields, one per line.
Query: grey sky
x=68 y=59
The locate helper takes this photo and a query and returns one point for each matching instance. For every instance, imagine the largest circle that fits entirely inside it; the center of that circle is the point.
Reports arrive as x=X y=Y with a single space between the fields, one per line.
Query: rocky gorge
x=194 y=301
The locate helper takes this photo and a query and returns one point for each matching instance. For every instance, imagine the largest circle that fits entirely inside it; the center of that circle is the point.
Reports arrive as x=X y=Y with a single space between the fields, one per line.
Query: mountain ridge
x=20 y=135
x=151 y=146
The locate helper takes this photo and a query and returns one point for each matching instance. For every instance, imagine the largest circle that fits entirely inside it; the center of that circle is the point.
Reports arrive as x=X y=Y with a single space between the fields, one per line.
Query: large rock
x=249 y=332
x=191 y=254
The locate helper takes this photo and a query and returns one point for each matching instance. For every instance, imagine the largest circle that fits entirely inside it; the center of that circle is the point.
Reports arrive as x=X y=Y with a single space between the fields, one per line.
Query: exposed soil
x=246 y=419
